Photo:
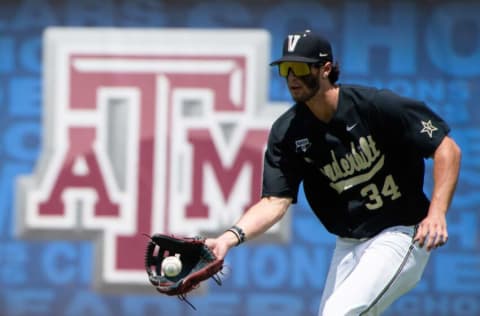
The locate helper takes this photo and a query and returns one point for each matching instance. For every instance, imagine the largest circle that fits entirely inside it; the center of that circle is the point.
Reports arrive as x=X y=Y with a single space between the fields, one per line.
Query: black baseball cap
x=305 y=47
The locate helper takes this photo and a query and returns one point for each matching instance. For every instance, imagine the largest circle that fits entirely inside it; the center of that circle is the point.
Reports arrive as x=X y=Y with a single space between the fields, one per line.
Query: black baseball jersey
x=363 y=171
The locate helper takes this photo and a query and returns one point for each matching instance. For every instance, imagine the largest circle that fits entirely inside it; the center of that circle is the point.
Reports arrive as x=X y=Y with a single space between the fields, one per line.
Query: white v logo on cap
x=292 y=42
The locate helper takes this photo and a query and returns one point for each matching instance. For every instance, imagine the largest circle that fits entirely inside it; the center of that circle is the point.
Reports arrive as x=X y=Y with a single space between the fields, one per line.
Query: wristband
x=239 y=233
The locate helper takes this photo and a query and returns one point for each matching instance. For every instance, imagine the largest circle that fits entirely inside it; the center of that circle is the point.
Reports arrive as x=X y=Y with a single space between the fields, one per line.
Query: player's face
x=302 y=86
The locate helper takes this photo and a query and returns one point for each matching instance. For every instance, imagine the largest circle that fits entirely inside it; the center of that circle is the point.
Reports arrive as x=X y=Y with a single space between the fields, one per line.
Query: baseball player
x=359 y=152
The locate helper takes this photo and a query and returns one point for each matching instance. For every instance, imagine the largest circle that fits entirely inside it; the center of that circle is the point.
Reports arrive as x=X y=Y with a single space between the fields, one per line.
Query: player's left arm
x=432 y=230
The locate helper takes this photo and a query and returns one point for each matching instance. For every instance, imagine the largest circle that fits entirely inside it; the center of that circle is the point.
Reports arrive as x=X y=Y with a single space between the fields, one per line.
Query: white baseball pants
x=366 y=276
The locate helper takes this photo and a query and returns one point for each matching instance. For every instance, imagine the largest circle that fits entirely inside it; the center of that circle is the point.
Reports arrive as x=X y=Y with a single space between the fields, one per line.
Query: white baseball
x=171 y=266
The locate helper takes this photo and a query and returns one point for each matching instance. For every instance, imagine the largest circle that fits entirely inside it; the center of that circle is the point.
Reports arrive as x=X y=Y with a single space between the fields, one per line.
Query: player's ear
x=326 y=69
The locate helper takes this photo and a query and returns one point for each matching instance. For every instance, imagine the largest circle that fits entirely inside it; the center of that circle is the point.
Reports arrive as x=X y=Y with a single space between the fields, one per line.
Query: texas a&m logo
x=147 y=131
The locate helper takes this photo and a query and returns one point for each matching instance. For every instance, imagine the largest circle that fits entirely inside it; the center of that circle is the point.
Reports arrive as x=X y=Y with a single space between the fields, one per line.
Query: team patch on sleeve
x=428 y=128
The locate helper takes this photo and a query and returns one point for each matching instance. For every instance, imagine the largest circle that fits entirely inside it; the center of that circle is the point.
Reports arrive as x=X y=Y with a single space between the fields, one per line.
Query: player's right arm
x=281 y=180
x=257 y=220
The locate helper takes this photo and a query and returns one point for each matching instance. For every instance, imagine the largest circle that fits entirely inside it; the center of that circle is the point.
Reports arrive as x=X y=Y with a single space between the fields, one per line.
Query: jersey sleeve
x=410 y=122
x=281 y=175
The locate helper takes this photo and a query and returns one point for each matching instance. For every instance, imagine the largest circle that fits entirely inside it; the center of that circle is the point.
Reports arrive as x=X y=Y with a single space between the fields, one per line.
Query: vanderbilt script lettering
x=352 y=163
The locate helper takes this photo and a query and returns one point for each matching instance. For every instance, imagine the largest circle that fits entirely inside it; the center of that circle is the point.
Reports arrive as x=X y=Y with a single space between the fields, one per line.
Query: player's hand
x=221 y=245
x=432 y=232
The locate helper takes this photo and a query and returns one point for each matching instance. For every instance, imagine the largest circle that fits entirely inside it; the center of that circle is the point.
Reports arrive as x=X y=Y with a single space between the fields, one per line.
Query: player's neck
x=324 y=104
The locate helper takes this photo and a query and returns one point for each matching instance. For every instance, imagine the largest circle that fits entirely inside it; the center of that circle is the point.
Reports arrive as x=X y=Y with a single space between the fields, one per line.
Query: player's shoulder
x=357 y=98
x=358 y=92
x=361 y=97
x=377 y=97
x=285 y=120
x=290 y=123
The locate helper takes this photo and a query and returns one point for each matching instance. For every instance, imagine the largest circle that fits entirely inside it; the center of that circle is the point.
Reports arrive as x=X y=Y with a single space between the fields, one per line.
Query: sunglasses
x=299 y=69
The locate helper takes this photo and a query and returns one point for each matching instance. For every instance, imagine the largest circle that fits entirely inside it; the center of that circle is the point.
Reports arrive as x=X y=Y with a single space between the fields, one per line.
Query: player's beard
x=312 y=84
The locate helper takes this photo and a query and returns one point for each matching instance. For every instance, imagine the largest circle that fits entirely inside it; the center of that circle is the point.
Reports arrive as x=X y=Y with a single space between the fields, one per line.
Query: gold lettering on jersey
x=346 y=169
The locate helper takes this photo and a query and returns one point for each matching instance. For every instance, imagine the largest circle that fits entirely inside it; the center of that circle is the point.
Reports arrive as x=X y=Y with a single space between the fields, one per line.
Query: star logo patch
x=428 y=128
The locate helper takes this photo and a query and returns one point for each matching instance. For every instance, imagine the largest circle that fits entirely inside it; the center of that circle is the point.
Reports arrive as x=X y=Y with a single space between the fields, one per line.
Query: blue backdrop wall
x=428 y=50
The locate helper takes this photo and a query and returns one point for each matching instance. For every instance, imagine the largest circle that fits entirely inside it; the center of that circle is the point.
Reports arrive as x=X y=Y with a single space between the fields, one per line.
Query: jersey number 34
x=376 y=197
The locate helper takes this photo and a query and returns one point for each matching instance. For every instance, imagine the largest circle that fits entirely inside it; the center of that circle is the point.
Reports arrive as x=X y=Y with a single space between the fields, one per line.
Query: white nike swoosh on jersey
x=349 y=128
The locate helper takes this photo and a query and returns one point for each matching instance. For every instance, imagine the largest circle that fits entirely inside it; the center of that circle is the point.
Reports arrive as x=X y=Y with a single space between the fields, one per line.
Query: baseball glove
x=198 y=263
